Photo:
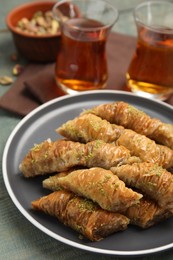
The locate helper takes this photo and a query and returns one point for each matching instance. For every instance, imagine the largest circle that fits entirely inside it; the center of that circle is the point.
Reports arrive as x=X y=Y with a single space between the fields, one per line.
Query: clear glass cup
x=150 y=72
x=81 y=62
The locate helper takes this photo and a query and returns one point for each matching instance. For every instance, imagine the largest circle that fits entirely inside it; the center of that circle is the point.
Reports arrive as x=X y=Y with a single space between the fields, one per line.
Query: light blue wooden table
x=19 y=239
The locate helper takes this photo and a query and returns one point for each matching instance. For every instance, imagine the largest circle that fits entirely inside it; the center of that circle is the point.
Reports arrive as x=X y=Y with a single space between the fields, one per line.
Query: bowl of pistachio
x=35 y=32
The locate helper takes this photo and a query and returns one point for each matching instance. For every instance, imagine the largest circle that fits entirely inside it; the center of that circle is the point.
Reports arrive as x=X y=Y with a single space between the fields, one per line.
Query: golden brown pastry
x=61 y=155
x=126 y=115
x=147 y=213
x=146 y=149
x=150 y=179
x=144 y=214
x=81 y=214
x=139 y=145
x=49 y=157
x=89 y=127
x=100 y=186
x=51 y=182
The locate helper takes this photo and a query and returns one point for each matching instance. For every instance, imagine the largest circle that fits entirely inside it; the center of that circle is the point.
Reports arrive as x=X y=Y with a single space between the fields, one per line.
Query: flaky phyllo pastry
x=49 y=157
x=89 y=127
x=144 y=214
x=111 y=168
x=151 y=179
x=124 y=114
x=147 y=213
x=81 y=214
x=100 y=186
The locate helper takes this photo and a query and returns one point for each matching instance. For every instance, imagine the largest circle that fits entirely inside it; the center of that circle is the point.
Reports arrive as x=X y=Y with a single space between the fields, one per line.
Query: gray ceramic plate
x=40 y=125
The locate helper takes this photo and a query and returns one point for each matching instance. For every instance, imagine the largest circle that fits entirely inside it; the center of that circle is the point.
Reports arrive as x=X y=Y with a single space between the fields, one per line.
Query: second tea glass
x=150 y=73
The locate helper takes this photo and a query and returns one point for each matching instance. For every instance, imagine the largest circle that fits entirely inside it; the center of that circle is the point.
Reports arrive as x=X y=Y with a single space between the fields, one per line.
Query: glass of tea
x=85 y=25
x=150 y=72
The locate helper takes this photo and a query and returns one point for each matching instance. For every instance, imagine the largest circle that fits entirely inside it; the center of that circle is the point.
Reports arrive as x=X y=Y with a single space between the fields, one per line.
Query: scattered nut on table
x=5 y=80
x=17 y=69
x=41 y=23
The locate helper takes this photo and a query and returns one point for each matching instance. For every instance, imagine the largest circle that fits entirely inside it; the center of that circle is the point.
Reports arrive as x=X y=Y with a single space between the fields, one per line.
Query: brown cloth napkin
x=36 y=84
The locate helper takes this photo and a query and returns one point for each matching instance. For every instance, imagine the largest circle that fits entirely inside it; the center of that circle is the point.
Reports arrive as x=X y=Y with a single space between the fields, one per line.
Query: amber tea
x=151 y=69
x=150 y=72
x=81 y=63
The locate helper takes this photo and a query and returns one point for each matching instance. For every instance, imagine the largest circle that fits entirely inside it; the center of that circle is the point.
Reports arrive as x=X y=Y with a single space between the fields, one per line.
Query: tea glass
x=81 y=62
x=150 y=72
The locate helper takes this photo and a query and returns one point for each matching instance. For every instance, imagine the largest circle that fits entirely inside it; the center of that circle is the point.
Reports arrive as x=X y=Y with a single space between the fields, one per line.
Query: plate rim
x=35 y=222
